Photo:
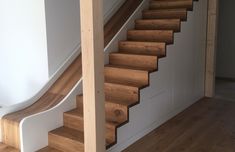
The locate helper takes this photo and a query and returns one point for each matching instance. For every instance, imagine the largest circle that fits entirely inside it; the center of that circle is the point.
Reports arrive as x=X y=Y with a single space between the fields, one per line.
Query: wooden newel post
x=93 y=74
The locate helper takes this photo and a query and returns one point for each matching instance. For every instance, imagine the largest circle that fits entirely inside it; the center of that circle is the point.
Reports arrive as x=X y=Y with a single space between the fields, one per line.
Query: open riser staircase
x=126 y=74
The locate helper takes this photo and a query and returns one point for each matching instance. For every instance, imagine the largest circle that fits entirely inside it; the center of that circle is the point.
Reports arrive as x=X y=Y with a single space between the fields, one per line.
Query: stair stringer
x=121 y=35
x=43 y=90
x=75 y=53
x=178 y=84
x=42 y=122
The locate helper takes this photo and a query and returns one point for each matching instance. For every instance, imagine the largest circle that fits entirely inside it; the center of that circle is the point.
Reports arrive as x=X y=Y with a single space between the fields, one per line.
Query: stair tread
x=180 y=13
x=131 y=84
x=130 y=54
x=134 y=61
x=75 y=112
x=122 y=85
x=157 y=20
x=73 y=134
x=137 y=53
x=69 y=133
x=158 y=24
x=142 y=43
x=134 y=55
x=49 y=149
x=111 y=100
x=127 y=81
x=151 y=35
x=127 y=67
x=150 y=31
x=167 y=10
x=156 y=4
x=79 y=113
x=145 y=48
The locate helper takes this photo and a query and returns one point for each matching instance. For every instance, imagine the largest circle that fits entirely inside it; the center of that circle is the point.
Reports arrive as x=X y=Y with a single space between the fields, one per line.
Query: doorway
x=225 y=58
x=220 y=53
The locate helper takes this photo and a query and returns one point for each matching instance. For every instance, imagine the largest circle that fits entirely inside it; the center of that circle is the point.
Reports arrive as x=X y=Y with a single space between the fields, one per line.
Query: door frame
x=211 y=47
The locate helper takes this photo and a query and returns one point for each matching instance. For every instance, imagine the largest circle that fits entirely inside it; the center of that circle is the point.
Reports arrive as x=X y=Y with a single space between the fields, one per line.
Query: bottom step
x=49 y=149
x=66 y=139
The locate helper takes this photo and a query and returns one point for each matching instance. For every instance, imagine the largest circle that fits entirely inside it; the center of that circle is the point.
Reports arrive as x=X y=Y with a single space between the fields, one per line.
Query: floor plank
x=5 y=148
x=225 y=89
x=207 y=126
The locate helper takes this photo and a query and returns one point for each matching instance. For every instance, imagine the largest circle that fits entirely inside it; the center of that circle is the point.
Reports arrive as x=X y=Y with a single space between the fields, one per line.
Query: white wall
x=63 y=31
x=36 y=39
x=63 y=28
x=226 y=42
x=23 y=56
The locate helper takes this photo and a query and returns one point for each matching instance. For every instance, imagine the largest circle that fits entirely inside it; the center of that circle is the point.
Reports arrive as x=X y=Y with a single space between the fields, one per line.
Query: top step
x=160 y=4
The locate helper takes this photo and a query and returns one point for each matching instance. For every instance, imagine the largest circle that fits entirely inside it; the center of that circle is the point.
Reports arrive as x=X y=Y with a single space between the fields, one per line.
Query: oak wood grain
x=151 y=36
x=165 y=14
x=146 y=48
x=208 y=125
x=158 y=24
x=135 y=61
x=156 y=4
x=6 y=148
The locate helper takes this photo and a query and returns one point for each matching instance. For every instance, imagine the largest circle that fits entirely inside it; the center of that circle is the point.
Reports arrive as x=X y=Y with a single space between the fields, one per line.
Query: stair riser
x=77 y=123
x=145 y=62
x=165 y=15
x=73 y=122
x=151 y=36
x=114 y=113
x=64 y=144
x=171 y=4
x=158 y=25
x=145 y=48
x=127 y=76
x=121 y=92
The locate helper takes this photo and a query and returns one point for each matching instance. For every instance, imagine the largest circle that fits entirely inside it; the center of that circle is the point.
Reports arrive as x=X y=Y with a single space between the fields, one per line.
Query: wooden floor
x=225 y=89
x=207 y=126
x=5 y=148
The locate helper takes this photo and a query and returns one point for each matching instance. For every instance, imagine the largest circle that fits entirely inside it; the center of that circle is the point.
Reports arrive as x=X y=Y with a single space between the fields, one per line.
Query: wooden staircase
x=127 y=72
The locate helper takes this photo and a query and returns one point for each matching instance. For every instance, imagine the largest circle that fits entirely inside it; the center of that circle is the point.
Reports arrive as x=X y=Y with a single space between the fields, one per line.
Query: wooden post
x=211 y=47
x=93 y=74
